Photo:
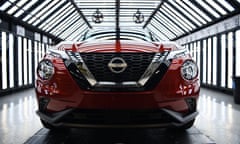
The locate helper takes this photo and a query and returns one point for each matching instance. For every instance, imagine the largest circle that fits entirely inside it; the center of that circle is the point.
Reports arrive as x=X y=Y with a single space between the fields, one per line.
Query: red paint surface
x=169 y=93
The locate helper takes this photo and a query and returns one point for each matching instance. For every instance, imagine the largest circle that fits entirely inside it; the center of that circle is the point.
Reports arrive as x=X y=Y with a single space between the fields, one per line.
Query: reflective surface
x=219 y=117
x=18 y=120
x=218 y=122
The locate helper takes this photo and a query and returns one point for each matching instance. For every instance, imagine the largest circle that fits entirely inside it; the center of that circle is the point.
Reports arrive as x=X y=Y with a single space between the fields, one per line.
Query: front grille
x=97 y=64
x=91 y=71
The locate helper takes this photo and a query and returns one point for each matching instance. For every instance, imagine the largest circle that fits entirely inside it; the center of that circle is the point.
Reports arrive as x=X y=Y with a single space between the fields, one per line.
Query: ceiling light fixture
x=138 y=17
x=97 y=17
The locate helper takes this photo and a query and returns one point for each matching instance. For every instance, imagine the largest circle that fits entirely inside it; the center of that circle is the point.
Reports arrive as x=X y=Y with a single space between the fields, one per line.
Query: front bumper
x=117 y=118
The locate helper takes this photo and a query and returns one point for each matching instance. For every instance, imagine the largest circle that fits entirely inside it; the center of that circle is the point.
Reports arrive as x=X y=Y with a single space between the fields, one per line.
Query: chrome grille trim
x=156 y=62
x=82 y=67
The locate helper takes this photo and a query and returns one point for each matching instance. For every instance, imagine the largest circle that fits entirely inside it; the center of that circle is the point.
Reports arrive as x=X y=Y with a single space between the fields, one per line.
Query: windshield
x=124 y=35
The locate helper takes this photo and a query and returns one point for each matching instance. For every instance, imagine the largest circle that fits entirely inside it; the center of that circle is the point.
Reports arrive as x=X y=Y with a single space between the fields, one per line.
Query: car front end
x=117 y=83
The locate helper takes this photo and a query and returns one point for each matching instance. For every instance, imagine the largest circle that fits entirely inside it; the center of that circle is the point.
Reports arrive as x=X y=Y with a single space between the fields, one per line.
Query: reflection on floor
x=18 y=120
x=218 y=122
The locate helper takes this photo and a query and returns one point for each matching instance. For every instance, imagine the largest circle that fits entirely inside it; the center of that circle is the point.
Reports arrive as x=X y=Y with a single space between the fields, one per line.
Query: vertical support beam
x=7 y=62
x=211 y=61
x=219 y=66
x=234 y=53
x=201 y=61
x=206 y=48
x=226 y=60
x=1 y=63
x=117 y=19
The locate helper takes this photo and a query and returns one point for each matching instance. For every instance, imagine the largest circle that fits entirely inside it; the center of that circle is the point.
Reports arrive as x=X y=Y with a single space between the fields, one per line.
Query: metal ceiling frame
x=49 y=15
x=172 y=19
x=34 y=6
x=80 y=13
x=153 y=14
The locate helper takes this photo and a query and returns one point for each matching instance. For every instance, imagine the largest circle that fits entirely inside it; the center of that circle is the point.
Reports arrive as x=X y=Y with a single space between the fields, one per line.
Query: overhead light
x=138 y=17
x=97 y=17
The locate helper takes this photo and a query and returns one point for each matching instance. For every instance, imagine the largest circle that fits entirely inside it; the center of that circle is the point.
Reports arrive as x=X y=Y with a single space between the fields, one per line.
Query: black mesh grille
x=118 y=117
x=137 y=63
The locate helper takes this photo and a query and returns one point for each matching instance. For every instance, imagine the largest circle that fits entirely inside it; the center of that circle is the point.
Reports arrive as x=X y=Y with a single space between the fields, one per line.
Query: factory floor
x=218 y=122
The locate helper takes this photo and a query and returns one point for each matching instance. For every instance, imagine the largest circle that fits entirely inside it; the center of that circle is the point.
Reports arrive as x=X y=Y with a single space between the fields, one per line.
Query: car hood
x=116 y=46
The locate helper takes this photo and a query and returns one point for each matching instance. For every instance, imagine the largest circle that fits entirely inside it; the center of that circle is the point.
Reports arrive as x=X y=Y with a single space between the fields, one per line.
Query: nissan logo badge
x=117 y=65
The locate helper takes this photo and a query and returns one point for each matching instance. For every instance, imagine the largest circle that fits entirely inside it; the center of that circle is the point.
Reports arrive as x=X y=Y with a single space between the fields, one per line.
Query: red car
x=117 y=79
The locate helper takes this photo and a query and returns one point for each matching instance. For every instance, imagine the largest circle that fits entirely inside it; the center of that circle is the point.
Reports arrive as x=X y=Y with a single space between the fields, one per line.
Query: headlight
x=189 y=70
x=45 y=69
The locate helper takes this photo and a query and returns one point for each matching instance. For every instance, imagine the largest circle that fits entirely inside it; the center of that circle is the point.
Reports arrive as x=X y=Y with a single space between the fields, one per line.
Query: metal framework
x=168 y=19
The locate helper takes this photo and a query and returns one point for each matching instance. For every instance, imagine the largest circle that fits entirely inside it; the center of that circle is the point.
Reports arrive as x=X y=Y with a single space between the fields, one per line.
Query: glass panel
x=163 y=29
x=223 y=60
x=35 y=11
x=5 y=6
x=18 y=5
x=209 y=61
x=38 y=15
x=230 y=59
x=217 y=7
x=20 y=78
x=27 y=6
x=19 y=13
x=237 y=60
x=200 y=12
x=4 y=60
x=157 y=32
x=64 y=25
x=30 y=61
x=174 y=19
x=204 y=61
x=226 y=5
x=55 y=17
x=25 y=63
x=11 y=60
x=74 y=28
x=189 y=12
x=173 y=26
x=178 y=16
x=70 y=31
x=208 y=8
x=214 y=61
x=43 y=14
x=12 y=10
